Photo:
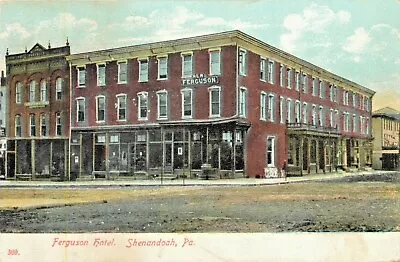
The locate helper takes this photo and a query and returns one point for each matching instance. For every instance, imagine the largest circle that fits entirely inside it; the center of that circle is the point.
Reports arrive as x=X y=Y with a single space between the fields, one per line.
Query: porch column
x=207 y=147
x=301 y=159
x=33 y=167
x=308 y=154
x=233 y=152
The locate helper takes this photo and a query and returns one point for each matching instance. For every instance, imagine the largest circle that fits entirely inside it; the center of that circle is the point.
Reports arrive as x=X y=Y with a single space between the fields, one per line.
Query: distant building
x=38 y=112
x=3 y=120
x=386 y=132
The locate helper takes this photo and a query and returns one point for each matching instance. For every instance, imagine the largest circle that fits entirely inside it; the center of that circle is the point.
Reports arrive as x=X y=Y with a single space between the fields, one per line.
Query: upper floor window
x=263 y=106
x=215 y=62
x=100 y=108
x=263 y=75
x=162 y=67
x=345 y=97
x=271 y=71
x=321 y=89
x=101 y=75
x=121 y=107
x=215 y=101
x=271 y=108
x=162 y=99
x=281 y=75
x=336 y=121
x=187 y=103
x=32 y=91
x=18 y=126
x=80 y=109
x=58 y=124
x=243 y=102
x=43 y=91
x=242 y=62
x=355 y=123
x=304 y=113
x=331 y=118
x=314 y=86
x=18 y=93
x=143 y=106
x=81 y=76
x=282 y=109
x=187 y=65
x=314 y=115
x=43 y=125
x=143 y=70
x=297 y=111
x=122 y=72
x=289 y=110
x=59 y=88
x=298 y=81
x=32 y=125
x=354 y=99
x=305 y=83
x=290 y=78
x=321 y=116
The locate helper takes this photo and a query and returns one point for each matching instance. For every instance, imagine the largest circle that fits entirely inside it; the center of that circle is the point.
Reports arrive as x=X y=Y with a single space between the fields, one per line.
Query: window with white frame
x=121 y=107
x=80 y=109
x=58 y=124
x=100 y=108
x=305 y=83
x=290 y=78
x=263 y=75
x=143 y=105
x=215 y=101
x=314 y=87
x=215 y=62
x=331 y=93
x=162 y=101
x=321 y=116
x=271 y=71
x=143 y=70
x=81 y=76
x=335 y=89
x=321 y=89
x=187 y=103
x=289 y=110
x=43 y=91
x=314 y=115
x=367 y=104
x=122 y=72
x=282 y=109
x=18 y=126
x=32 y=125
x=354 y=123
x=59 y=88
x=43 y=125
x=18 y=93
x=281 y=74
x=162 y=67
x=187 y=65
x=271 y=108
x=354 y=99
x=345 y=97
x=337 y=122
x=362 y=125
x=243 y=102
x=346 y=121
x=270 y=151
x=298 y=81
x=101 y=74
x=298 y=111
x=32 y=91
x=263 y=105
x=304 y=113
x=367 y=126
x=242 y=62
x=331 y=118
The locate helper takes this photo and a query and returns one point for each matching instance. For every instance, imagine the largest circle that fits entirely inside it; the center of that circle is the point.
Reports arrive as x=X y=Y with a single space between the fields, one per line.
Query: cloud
x=387 y=94
x=14 y=29
x=357 y=42
x=314 y=19
x=66 y=21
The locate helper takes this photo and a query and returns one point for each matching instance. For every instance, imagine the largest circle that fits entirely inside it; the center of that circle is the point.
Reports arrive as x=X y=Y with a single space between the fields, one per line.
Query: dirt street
x=362 y=203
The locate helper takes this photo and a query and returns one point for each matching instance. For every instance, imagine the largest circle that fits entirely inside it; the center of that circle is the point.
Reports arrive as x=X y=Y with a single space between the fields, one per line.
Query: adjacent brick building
x=227 y=100
x=38 y=110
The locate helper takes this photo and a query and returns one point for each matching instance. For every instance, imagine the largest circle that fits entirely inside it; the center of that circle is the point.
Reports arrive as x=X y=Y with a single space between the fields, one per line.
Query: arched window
x=59 y=87
x=18 y=93
x=32 y=91
x=43 y=91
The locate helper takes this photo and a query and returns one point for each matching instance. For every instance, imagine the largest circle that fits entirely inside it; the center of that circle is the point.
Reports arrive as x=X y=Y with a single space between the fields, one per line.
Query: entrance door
x=100 y=158
x=141 y=151
x=11 y=164
x=168 y=157
x=322 y=155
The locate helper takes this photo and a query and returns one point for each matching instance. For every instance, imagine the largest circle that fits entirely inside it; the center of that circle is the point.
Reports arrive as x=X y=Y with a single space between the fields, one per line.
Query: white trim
x=273 y=151
x=263 y=106
x=145 y=95
x=242 y=64
x=84 y=108
x=78 y=78
x=118 y=96
x=219 y=61
x=183 y=55
x=289 y=110
x=183 y=103
x=243 y=91
x=210 y=89
x=97 y=109
x=98 y=75
x=271 y=107
x=140 y=69
x=119 y=71
x=158 y=67
x=263 y=69
x=165 y=92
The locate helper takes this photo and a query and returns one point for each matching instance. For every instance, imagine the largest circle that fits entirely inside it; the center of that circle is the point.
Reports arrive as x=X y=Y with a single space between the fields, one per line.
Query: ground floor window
x=271 y=151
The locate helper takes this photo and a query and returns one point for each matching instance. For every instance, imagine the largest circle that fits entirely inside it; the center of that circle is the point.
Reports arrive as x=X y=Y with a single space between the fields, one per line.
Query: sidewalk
x=181 y=182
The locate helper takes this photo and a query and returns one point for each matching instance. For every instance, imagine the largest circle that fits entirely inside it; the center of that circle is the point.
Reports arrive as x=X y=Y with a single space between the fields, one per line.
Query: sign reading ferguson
x=200 y=79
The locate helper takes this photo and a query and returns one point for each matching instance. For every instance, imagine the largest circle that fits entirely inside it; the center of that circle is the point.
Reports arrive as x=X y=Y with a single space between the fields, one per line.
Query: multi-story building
x=3 y=120
x=386 y=132
x=226 y=99
x=38 y=110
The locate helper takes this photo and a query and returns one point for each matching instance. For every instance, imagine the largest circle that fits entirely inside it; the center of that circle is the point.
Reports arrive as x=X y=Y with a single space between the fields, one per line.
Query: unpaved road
x=362 y=203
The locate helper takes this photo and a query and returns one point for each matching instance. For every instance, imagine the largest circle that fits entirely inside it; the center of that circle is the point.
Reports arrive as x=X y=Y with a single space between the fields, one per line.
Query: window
x=346 y=121
x=187 y=103
x=242 y=62
x=215 y=101
x=143 y=70
x=362 y=124
x=270 y=108
x=305 y=83
x=187 y=65
x=334 y=93
x=162 y=111
x=215 y=62
x=243 y=102
x=271 y=71
x=345 y=97
x=100 y=108
x=314 y=115
x=367 y=104
x=143 y=105
x=18 y=93
x=262 y=69
x=18 y=127
x=289 y=110
x=321 y=116
x=32 y=91
x=80 y=109
x=81 y=77
x=321 y=89
x=271 y=151
x=331 y=119
x=59 y=84
x=162 y=68
x=289 y=78
x=121 y=107
x=43 y=91
x=58 y=124
x=32 y=125
x=354 y=123
x=367 y=132
x=314 y=87
x=43 y=125
x=101 y=75
x=336 y=124
x=297 y=81
x=281 y=75
x=282 y=109
x=122 y=72
x=263 y=105
x=354 y=100
x=304 y=113
x=298 y=111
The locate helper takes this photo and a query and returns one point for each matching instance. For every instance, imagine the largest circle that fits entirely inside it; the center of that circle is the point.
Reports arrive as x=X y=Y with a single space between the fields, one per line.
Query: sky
x=356 y=39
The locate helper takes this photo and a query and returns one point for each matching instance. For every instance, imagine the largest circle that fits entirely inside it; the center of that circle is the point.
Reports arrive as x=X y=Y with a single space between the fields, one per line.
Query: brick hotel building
x=226 y=99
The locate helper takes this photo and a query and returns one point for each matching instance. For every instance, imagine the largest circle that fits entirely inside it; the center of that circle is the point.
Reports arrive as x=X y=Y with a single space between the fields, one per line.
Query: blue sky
x=357 y=39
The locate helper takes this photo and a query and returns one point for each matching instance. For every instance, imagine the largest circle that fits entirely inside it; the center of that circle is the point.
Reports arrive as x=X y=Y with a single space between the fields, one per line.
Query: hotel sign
x=200 y=79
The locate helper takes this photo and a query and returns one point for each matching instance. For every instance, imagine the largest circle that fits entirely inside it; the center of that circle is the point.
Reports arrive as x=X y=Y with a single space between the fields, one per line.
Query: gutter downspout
x=70 y=122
